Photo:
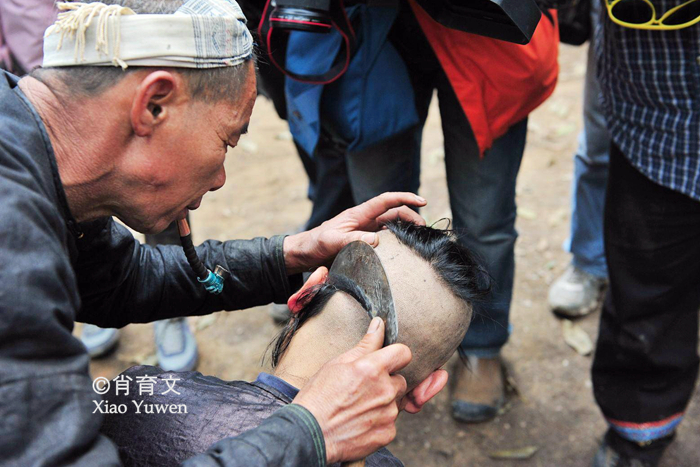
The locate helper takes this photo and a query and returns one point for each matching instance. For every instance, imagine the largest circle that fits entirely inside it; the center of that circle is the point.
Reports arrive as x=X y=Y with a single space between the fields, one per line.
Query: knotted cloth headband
x=200 y=34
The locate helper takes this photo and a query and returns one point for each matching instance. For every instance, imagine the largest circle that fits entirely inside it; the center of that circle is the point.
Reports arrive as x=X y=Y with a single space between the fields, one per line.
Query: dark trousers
x=340 y=180
x=646 y=360
x=481 y=190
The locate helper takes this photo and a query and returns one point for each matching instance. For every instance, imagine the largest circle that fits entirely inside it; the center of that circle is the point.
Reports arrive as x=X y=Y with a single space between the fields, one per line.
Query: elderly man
x=82 y=141
x=434 y=283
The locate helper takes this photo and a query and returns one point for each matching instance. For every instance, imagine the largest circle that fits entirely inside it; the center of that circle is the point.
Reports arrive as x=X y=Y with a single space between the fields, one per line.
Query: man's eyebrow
x=244 y=130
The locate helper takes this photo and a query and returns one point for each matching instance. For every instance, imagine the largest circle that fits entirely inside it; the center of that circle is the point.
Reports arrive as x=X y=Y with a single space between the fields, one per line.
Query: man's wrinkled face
x=186 y=157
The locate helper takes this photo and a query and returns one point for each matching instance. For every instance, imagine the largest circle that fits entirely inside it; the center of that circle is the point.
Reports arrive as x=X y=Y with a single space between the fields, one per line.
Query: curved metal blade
x=359 y=263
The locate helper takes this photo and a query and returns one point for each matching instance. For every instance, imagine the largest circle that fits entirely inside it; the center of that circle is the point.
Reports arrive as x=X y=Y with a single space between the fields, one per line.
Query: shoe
x=576 y=293
x=279 y=313
x=176 y=347
x=99 y=341
x=615 y=451
x=479 y=390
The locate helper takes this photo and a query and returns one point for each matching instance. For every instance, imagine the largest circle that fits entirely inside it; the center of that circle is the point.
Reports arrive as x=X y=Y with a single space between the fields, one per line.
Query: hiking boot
x=176 y=347
x=576 y=293
x=99 y=341
x=615 y=451
x=479 y=390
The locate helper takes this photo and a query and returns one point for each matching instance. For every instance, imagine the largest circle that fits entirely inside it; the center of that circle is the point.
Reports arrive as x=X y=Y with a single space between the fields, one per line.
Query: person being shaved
x=434 y=282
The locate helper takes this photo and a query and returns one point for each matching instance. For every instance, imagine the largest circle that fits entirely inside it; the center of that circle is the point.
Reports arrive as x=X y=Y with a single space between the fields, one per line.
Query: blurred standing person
x=578 y=291
x=646 y=361
x=22 y=26
x=484 y=121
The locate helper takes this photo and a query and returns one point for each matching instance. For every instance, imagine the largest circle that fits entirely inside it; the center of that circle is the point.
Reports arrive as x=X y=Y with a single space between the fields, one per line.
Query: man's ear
x=152 y=100
x=415 y=400
x=297 y=301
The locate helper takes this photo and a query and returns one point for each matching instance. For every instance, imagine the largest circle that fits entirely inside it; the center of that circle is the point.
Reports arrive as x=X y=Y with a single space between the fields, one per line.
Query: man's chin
x=160 y=226
x=154 y=228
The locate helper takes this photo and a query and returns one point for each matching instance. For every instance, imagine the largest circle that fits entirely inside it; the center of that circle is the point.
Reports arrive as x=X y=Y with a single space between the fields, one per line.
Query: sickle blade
x=359 y=263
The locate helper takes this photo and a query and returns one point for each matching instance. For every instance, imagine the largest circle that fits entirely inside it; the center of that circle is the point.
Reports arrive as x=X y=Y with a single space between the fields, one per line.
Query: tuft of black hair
x=458 y=266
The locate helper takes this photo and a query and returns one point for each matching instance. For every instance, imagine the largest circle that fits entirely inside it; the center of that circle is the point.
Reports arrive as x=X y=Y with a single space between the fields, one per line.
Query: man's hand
x=308 y=250
x=354 y=397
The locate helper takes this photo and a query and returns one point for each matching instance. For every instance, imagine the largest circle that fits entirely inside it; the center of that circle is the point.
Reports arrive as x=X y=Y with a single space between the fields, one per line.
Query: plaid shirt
x=651 y=93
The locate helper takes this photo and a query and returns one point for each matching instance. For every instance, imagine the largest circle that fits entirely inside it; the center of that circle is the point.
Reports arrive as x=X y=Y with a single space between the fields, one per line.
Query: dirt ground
x=553 y=409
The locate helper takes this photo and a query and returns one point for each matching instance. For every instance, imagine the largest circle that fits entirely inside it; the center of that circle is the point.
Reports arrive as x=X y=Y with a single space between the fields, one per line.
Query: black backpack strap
x=340 y=21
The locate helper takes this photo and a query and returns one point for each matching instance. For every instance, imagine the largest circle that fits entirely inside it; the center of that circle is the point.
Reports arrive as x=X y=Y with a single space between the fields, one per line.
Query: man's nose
x=220 y=180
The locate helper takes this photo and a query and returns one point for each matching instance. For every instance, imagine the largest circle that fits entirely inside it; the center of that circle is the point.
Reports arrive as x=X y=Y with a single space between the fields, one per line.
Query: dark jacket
x=165 y=423
x=54 y=272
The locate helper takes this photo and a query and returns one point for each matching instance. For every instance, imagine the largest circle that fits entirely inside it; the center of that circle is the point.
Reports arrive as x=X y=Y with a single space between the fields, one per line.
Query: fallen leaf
x=248 y=146
x=284 y=136
x=560 y=108
x=579 y=70
x=558 y=217
x=520 y=453
x=205 y=321
x=564 y=129
x=150 y=360
x=512 y=386
x=535 y=128
x=576 y=337
x=526 y=213
x=505 y=408
x=435 y=156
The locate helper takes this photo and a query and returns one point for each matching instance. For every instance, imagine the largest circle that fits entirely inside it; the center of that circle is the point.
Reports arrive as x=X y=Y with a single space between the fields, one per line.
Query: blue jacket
x=372 y=101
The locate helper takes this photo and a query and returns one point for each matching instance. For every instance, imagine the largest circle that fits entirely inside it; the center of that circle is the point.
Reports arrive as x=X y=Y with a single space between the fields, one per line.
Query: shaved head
x=432 y=319
x=433 y=282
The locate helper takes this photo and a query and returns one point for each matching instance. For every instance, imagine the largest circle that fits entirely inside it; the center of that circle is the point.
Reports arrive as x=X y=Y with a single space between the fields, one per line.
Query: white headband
x=200 y=34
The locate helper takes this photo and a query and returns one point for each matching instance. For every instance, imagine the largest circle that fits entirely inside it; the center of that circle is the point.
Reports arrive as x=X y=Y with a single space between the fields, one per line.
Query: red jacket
x=498 y=83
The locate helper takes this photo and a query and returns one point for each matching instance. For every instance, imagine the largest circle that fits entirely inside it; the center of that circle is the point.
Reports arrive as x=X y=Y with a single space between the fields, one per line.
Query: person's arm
x=290 y=437
x=46 y=397
x=345 y=412
x=5 y=60
x=122 y=281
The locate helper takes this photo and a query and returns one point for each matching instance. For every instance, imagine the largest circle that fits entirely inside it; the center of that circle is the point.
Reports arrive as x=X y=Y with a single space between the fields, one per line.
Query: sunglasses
x=641 y=14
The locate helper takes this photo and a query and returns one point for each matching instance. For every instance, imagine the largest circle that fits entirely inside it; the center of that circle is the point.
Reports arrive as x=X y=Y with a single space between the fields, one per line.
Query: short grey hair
x=209 y=85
